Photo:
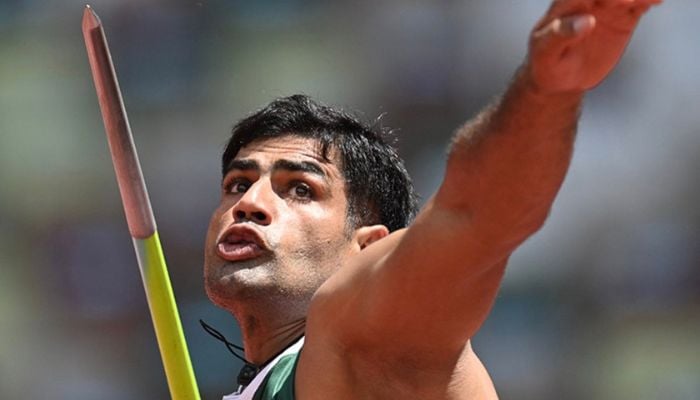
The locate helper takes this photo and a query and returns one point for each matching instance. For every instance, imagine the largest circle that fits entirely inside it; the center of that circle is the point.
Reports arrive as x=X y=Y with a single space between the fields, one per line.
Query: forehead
x=293 y=148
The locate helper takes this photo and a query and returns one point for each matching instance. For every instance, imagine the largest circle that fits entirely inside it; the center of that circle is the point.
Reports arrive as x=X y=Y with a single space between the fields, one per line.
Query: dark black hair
x=378 y=187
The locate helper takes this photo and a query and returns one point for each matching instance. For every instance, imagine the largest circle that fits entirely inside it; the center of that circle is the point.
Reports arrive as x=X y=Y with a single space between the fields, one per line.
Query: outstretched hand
x=578 y=42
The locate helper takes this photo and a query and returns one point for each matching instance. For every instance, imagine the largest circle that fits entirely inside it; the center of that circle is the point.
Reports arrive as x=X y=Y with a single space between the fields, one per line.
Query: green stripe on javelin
x=166 y=321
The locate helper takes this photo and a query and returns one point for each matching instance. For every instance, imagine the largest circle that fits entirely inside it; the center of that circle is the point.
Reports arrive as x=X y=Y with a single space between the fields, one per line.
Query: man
x=308 y=239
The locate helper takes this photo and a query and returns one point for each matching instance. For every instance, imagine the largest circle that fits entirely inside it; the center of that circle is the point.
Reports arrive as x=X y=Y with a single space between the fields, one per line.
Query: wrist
x=525 y=79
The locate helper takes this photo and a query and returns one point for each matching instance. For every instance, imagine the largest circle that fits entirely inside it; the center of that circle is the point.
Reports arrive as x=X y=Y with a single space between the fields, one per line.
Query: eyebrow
x=287 y=165
x=244 y=165
x=299 y=166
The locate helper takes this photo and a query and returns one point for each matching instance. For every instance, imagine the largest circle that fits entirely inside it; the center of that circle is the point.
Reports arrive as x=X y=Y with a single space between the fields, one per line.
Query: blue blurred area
x=602 y=303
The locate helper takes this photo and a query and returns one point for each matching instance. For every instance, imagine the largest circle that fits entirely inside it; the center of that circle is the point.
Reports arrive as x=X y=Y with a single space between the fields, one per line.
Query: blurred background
x=603 y=303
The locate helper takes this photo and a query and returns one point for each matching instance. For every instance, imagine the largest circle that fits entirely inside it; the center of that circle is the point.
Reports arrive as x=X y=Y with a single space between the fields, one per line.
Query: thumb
x=555 y=36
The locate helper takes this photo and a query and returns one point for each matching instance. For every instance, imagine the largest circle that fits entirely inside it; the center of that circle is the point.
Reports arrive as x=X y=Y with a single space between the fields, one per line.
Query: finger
x=626 y=2
x=560 y=8
x=622 y=16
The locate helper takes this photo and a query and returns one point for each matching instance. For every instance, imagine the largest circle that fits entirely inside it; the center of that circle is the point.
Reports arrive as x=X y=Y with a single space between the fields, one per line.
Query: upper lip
x=240 y=233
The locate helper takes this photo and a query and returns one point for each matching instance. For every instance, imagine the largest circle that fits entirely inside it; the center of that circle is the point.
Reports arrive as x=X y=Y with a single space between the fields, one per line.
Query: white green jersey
x=275 y=381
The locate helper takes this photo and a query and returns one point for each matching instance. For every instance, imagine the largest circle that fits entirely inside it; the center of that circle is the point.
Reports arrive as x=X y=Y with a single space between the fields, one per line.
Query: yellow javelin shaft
x=166 y=321
x=139 y=215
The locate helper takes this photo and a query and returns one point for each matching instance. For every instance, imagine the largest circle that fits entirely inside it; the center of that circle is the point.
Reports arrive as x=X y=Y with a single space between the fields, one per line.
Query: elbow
x=504 y=222
x=536 y=220
x=527 y=225
x=507 y=234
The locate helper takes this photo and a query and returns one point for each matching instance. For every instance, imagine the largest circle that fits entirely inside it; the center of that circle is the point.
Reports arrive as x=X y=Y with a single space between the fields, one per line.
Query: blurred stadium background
x=603 y=303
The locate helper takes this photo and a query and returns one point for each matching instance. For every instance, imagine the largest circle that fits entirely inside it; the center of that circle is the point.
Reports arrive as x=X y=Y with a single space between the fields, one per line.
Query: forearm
x=507 y=164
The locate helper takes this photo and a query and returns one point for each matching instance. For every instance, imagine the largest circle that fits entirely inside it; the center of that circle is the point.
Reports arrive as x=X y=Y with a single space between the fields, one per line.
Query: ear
x=366 y=235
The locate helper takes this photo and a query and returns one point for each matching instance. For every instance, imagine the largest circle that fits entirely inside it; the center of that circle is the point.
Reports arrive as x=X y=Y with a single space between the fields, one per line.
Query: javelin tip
x=90 y=19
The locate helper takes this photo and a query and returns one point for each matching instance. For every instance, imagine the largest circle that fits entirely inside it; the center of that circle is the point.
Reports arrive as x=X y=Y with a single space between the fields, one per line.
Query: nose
x=256 y=204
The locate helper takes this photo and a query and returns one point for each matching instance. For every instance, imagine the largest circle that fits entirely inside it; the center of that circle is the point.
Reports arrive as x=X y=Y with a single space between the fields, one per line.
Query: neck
x=264 y=339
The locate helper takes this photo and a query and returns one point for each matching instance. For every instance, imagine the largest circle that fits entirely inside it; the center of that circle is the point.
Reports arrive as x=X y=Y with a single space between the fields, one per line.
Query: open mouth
x=240 y=243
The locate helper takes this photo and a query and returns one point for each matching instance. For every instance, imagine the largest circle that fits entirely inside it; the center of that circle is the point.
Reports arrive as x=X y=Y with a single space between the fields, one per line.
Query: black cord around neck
x=220 y=337
x=249 y=370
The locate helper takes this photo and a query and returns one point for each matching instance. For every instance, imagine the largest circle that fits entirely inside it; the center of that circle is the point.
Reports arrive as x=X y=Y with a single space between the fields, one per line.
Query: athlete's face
x=280 y=229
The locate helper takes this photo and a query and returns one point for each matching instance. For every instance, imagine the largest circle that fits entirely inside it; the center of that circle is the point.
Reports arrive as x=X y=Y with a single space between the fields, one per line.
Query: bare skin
x=395 y=317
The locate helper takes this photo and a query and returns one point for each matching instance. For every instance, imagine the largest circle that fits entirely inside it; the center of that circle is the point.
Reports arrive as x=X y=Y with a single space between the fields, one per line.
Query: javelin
x=139 y=215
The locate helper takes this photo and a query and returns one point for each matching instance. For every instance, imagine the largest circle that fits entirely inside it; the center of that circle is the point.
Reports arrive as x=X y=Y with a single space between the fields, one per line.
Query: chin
x=231 y=284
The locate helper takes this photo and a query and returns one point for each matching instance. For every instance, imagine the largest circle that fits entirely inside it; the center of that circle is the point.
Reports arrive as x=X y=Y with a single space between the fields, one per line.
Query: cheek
x=323 y=222
x=323 y=232
x=218 y=221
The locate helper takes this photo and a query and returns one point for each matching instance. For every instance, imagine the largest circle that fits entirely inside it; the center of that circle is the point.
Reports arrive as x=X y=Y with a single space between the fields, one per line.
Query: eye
x=302 y=190
x=238 y=186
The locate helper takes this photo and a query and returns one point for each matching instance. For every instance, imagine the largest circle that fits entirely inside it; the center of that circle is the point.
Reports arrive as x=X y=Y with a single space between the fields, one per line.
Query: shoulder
x=352 y=353
x=356 y=373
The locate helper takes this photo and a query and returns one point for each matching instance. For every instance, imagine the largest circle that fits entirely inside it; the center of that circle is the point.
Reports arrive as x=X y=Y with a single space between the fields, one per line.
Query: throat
x=263 y=345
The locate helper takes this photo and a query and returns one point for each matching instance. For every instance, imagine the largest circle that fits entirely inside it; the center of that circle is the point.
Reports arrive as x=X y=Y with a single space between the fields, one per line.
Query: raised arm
x=507 y=164
x=422 y=293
